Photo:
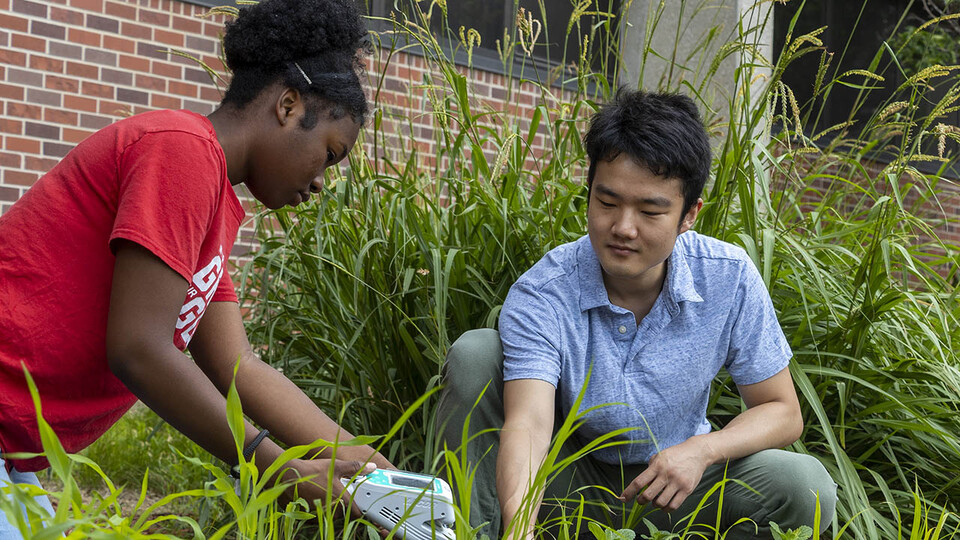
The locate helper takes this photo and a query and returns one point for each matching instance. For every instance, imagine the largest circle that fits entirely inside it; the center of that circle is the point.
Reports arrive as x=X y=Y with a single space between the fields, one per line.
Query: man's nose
x=626 y=225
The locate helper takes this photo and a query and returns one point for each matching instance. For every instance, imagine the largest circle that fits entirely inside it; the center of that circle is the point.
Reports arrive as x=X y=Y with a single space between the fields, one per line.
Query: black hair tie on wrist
x=248 y=451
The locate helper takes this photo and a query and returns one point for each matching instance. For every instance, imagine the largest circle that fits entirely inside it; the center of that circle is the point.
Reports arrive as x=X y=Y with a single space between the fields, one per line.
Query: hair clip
x=300 y=69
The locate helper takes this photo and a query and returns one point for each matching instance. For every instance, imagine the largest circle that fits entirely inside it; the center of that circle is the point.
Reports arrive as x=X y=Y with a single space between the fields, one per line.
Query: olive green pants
x=785 y=486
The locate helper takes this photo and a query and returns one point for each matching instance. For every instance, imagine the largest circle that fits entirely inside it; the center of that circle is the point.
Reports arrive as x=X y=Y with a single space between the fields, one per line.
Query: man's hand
x=671 y=476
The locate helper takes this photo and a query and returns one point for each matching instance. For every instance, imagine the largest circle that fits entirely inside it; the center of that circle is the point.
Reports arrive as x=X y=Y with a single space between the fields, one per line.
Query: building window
x=855 y=32
x=490 y=18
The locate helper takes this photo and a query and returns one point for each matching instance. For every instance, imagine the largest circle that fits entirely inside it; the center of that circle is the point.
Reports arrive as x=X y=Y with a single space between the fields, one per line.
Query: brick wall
x=70 y=67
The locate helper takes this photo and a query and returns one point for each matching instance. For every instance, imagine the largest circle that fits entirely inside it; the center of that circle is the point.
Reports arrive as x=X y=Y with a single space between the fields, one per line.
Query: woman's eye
x=330 y=156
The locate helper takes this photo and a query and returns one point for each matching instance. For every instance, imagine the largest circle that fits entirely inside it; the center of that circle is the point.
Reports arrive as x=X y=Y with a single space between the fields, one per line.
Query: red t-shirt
x=158 y=179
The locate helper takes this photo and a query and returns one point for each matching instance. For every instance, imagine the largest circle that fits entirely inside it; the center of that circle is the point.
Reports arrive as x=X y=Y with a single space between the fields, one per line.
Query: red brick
x=32 y=163
x=45 y=63
x=121 y=10
x=30 y=8
x=170 y=38
x=213 y=62
x=64 y=84
x=79 y=103
x=24 y=110
x=212 y=29
x=97 y=90
x=56 y=149
x=26 y=146
x=84 y=37
x=161 y=101
x=136 y=31
x=119 y=44
x=66 y=16
x=210 y=93
x=75 y=136
x=93 y=121
x=83 y=70
x=9 y=160
x=167 y=70
x=9 y=91
x=190 y=25
x=134 y=63
x=146 y=82
x=102 y=24
x=59 y=116
x=22 y=41
x=19 y=178
x=154 y=18
x=182 y=89
x=47 y=30
x=9 y=125
x=114 y=108
x=89 y=5
x=41 y=130
x=12 y=22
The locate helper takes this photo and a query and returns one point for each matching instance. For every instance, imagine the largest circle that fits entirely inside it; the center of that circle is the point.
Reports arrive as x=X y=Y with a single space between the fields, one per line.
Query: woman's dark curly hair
x=313 y=46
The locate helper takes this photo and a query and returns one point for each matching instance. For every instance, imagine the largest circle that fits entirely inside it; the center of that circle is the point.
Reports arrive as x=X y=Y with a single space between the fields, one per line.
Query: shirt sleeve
x=530 y=333
x=168 y=193
x=225 y=290
x=758 y=348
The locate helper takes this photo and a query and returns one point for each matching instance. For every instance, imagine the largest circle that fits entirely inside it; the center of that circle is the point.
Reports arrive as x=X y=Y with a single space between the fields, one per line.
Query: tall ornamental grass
x=358 y=296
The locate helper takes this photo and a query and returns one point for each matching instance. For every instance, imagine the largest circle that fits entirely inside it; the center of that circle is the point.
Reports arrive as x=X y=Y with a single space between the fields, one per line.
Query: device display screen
x=411 y=482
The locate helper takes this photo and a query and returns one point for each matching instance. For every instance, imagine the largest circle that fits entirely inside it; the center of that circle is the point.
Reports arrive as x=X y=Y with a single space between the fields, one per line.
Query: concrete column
x=670 y=44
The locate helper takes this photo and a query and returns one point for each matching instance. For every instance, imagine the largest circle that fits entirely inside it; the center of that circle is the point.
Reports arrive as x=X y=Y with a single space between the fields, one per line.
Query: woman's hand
x=315 y=488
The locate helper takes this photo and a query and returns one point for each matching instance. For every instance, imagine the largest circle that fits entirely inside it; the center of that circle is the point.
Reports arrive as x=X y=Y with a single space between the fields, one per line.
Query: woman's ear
x=289 y=106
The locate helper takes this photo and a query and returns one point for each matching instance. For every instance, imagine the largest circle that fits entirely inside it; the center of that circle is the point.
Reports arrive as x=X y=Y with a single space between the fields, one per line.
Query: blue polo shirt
x=713 y=312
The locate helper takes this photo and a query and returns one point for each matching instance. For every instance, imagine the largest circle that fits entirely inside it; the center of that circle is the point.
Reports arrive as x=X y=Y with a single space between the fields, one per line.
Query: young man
x=650 y=311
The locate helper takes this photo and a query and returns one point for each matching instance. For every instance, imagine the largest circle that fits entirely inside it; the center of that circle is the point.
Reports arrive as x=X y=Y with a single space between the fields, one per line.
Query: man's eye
x=606 y=204
x=654 y=213
x=330 y=156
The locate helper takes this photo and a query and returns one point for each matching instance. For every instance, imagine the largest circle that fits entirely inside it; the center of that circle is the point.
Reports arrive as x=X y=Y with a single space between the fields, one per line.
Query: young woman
x=114 y=263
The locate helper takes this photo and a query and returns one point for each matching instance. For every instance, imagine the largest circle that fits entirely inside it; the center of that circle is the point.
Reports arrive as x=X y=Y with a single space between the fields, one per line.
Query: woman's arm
x=145 y=303
x=268 y=397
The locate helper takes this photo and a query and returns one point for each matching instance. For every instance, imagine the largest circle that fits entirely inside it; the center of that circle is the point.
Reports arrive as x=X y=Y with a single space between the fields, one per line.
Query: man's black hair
x=275 y=39
x=662 y=132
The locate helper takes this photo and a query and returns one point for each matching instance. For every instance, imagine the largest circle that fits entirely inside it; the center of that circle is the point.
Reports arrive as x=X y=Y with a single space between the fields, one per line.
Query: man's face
x=633 y=219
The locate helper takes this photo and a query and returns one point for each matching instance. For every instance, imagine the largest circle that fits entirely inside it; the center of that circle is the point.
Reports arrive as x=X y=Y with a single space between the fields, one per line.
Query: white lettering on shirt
x=204 y=284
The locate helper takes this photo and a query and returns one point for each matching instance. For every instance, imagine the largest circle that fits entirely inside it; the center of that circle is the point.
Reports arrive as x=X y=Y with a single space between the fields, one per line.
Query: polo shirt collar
x=678 y=284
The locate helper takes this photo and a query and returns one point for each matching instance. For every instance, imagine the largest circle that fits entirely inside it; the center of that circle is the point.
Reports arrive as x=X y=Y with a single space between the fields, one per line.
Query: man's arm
x=528 y=406
x=772 y=420
x=268 y=397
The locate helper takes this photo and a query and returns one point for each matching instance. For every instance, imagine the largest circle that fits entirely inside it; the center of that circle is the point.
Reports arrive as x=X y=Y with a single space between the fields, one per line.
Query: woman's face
x=290 y=164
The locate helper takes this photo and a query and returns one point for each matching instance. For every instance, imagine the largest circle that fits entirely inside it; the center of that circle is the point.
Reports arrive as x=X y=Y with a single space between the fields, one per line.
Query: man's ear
x=289 y=106
x=690 y=217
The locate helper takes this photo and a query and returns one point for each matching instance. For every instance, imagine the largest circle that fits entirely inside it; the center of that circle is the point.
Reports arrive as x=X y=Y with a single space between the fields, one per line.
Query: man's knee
x=474 y=360
x=800 y=483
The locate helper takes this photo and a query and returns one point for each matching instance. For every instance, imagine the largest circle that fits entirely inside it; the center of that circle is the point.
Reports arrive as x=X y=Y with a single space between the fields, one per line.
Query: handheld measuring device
x=421 y=504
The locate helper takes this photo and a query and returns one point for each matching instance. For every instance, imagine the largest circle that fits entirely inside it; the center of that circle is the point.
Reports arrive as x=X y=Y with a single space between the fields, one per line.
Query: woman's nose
x=317 y=184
